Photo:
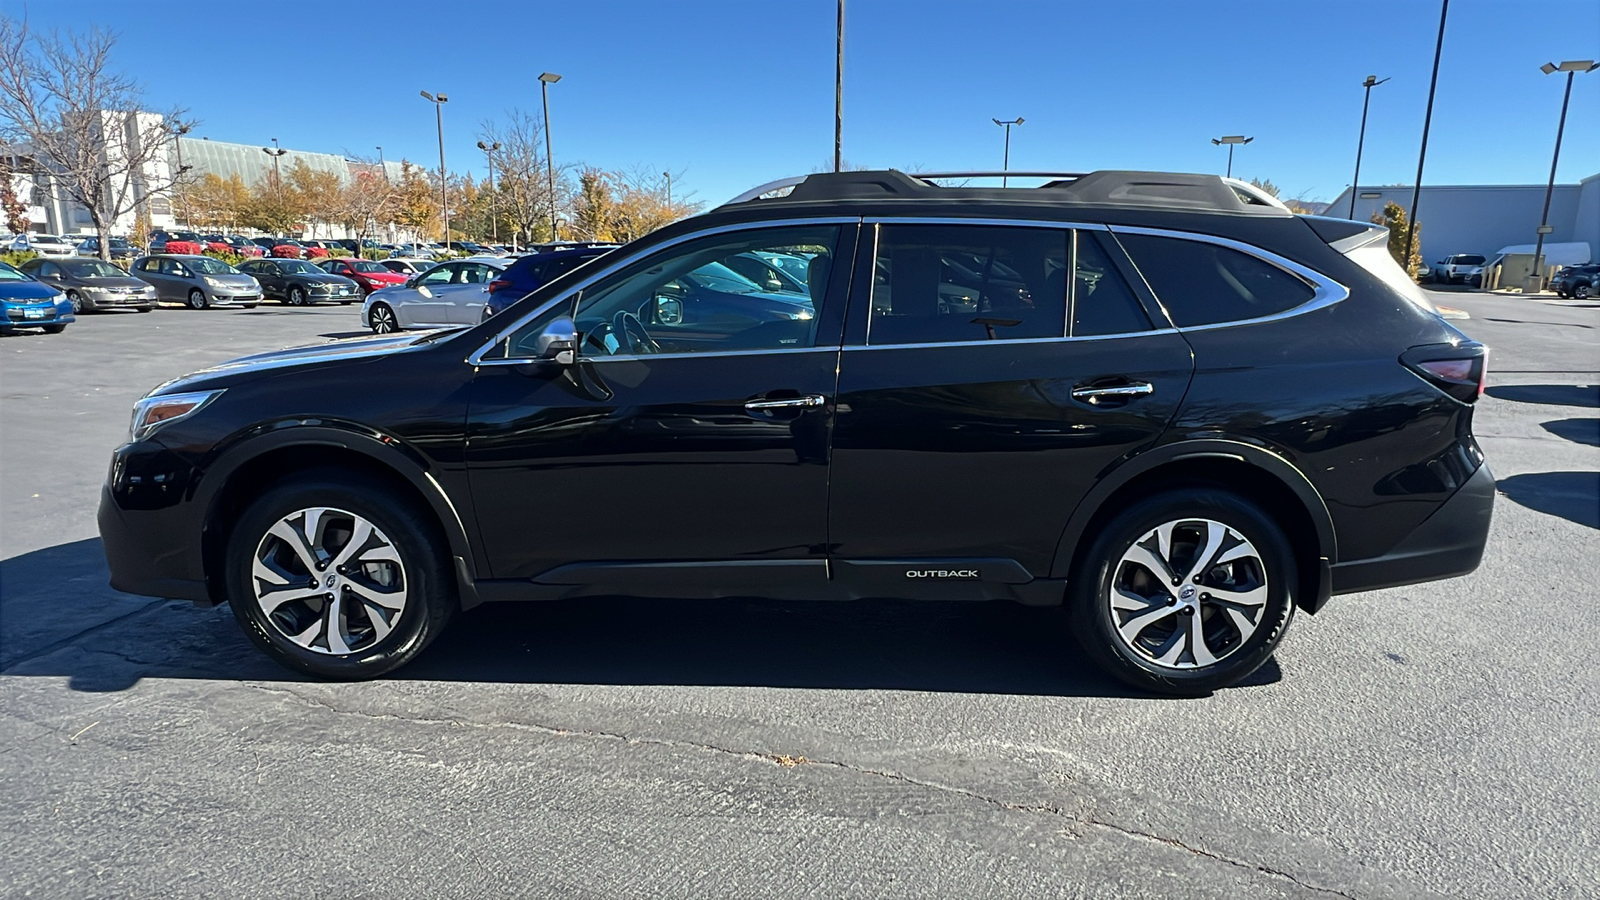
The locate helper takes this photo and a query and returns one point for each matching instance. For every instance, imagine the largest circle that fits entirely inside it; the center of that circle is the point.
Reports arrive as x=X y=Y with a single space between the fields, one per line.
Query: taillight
x=1459 y=370
x=499 y=284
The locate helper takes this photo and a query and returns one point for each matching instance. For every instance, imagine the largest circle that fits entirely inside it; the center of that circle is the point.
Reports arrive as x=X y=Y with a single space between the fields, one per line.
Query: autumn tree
x=1393 y=217
x=315 y=193
x=272 y=208
x=366 y=199
x=212 y=201
x=523 y=198
x=415 y=202
x=60 y=96
x=592 y=214
x=13 y=212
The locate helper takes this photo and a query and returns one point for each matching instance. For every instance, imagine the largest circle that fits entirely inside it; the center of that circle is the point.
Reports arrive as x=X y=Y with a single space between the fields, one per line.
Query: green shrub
x=17 y=257
x=372 y=253
x=232 y=259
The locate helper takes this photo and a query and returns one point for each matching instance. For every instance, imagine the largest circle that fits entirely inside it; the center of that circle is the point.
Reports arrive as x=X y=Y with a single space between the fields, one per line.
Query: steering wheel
x=627 y=328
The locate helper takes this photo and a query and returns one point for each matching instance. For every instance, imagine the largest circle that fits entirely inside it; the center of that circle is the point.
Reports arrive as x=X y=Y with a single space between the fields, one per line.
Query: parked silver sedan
x=92 y=284
x=451 y=293
x=200 y=281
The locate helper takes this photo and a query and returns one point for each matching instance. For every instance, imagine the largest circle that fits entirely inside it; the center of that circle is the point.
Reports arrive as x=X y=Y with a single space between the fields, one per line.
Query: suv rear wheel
x=1184 y=592
x=332 y=577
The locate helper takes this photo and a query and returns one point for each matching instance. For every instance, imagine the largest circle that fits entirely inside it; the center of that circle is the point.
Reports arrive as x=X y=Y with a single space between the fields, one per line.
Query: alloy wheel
x=297 y=297
x=1188 y=594
x=77 y=301
x=197 y=299
x=329 y=580
x=1581 y=292
x=383 y=321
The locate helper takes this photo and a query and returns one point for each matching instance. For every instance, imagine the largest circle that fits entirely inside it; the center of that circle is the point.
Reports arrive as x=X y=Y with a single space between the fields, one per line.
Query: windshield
x=299 y=267
x=92 y=268
x=48 y=238
x=189 y=236
x=719 y=277
x=205 y=265
x=367 y=265
x=9 y=274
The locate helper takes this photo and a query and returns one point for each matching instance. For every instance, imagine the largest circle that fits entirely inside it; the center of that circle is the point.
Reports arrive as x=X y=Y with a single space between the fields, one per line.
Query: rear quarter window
x=1202 y=283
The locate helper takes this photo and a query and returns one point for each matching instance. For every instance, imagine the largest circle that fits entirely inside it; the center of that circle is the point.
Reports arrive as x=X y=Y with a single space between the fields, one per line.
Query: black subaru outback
x=1162 y=400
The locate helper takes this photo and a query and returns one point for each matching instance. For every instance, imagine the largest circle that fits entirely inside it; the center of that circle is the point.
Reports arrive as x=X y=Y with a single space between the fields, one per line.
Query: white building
x=1484 y=218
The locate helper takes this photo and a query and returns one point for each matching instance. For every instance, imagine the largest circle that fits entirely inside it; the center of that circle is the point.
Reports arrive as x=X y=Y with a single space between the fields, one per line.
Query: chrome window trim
x=1000 y=341
x=1325 y=291
x=476 y=357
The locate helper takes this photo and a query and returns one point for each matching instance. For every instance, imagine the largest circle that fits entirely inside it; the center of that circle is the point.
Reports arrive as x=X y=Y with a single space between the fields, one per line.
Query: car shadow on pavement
x=1553 y=394
x=62 y=620
x=1574 y=496
x=1582 y=431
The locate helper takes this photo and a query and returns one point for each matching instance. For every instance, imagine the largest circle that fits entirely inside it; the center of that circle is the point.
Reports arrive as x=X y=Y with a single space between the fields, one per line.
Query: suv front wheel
x=1184 y=592
x=332 y=577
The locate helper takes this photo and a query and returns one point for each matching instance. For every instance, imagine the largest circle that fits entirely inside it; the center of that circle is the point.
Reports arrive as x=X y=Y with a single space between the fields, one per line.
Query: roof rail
x=1164 y=190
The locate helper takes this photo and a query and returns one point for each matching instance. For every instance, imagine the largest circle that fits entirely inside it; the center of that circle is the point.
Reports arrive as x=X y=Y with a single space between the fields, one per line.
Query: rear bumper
x=1447 y=544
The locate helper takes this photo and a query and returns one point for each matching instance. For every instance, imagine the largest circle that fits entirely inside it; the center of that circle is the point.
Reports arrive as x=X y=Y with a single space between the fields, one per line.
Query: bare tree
x=522 y=181
x=369 y=196
x=60 y=97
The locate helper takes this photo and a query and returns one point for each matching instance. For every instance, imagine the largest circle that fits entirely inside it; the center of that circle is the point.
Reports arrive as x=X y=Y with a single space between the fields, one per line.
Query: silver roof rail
x=768 y=188
x=1010 y=174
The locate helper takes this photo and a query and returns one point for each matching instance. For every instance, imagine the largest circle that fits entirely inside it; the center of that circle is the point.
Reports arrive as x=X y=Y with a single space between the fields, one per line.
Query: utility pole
x=545 y=80
x=1005 y=164
x=1422 y=155
x=1355 y=183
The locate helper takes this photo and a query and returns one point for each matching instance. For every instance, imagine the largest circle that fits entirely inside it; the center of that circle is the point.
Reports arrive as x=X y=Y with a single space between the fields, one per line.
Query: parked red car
x=371 y=276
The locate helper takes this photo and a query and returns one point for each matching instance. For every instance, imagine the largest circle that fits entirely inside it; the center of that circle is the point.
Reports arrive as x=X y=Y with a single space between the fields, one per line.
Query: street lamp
x=545 y=80
x=276 y=153
x=178 y=131
x=1231 y=140
x=494 y=223
x=1571 y=67
x=1355 y=184
x=1005 y=164
x=668 y=177
x=381 y=167
x=444 y=203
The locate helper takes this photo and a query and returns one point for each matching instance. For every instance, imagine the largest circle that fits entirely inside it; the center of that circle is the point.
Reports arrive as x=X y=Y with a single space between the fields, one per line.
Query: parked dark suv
x=1163 y=400
x=533 y=271
x=1576 y=281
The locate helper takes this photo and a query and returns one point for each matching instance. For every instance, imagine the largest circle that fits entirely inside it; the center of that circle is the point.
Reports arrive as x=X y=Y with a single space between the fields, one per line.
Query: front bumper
x=1447 y=544
x=37 y=316
x=149 y=529
x=251 y=299
x=108 y=300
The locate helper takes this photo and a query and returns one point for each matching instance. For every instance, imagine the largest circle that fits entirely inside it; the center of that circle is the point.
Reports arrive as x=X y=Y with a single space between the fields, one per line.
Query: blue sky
x=737 y=93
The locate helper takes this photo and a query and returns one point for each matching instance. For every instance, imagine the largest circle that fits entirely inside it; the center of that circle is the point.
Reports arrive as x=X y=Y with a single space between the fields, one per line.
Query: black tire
x=54 y=329
x=1092 y=618
x=1581 y=292
x=145 y=308
x=297 y=296
x=431 y=591
x=77 y=301
x=382 y=319
x=198 y=300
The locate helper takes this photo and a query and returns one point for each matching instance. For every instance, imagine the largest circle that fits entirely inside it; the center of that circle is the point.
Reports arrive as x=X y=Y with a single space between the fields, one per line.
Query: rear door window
x=1102 y=302
x=1201 y=283
x=954 y=283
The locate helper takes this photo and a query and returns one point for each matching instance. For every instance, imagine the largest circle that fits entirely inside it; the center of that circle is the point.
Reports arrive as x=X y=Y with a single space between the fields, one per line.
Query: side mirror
x=669 y=310
x=558 y=341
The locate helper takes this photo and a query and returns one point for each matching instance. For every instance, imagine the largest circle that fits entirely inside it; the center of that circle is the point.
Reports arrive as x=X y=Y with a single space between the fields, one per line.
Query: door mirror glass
x=669 y=310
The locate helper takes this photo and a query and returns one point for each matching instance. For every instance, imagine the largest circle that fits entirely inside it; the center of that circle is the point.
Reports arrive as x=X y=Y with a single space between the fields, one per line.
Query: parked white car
x=1462 y=267
x=450 y=293
x=42 y=244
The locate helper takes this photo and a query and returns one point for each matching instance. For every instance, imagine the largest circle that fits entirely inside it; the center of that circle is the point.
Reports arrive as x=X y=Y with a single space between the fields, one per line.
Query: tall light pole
x=1422 y=154
x=1355 y=183
x=381 y=167
x=178 y=131
x=668 y=177
x=1232 y=141
x=1005 y=163
x=444 y=185
x=545 y=80
x=494 y=222
x=1571 y=67
x=276 y=153
x=838 y=91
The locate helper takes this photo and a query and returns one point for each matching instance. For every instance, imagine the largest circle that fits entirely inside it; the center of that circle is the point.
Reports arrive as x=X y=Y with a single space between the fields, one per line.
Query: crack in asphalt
x=93 y=629
x=791 y=761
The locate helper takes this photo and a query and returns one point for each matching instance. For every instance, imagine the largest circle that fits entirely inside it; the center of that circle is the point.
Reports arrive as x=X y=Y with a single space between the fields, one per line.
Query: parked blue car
x=27 y=303
x=537 y=269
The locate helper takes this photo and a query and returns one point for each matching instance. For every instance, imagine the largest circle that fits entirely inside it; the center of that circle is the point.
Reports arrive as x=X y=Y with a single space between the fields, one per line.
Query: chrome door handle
x=1112 y=391
x=786 y=403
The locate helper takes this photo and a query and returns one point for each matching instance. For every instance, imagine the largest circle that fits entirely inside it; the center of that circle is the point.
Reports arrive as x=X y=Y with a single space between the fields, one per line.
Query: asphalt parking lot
x=1437 y=739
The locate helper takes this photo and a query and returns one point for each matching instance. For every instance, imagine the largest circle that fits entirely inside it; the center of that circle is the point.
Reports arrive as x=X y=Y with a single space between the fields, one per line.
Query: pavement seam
x=70 y=640
x=788 y=761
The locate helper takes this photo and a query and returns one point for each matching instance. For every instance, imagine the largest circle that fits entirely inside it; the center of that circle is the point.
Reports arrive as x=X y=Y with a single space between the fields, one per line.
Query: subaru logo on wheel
x=1187 y=593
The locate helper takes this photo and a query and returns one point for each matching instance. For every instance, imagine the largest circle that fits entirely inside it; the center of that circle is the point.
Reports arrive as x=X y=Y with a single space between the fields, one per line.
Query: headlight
x=215 y=282
x=151 y=413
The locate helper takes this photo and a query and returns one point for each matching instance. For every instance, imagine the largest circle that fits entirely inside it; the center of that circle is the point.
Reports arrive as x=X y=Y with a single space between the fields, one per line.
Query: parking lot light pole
x=1571 y=67
x=545 y=80
x=668 y=176
x=276 y=153
x=1355 y=183
x=381 y=167
x=1005 y=162
x=494 y=223
x=444 y=184
x=1232 y=141
x=1422 y=154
